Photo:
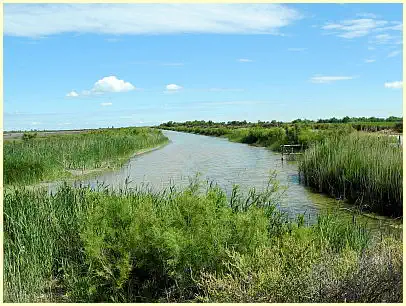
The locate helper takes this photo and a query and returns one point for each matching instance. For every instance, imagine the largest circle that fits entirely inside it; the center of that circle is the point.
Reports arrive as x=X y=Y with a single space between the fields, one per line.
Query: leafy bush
x=138 y=246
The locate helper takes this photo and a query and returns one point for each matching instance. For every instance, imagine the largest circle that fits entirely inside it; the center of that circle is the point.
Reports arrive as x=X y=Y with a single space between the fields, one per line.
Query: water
x=218 y=160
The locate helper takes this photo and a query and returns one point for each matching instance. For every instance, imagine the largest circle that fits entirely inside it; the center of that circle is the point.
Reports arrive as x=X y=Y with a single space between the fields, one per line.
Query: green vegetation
x=371 y=124
x=80 y=245
x=365 y=169
x=37 y=159
x=197 y=244
x=28 y=136
x=272 y=137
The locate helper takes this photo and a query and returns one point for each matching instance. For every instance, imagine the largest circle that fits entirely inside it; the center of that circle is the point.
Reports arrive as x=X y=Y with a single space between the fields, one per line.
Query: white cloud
x=365 y=26
x=382 y=38
x=173 y=87
x=297 y=49
x=106 y=104
x=394 y=53
x=394 y=85
x=367 y=15
x=35 y=123
x=369 y=60
x=72 y=94
x=36 y=20
x=104 y=85
x=112 y=84
x=244 y=60
x=329 y=79
x=354 y=28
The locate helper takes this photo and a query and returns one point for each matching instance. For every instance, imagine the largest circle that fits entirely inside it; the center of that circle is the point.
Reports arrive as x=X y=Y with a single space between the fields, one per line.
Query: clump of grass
x=360 y=168
x=80 y=245
x=48 y=158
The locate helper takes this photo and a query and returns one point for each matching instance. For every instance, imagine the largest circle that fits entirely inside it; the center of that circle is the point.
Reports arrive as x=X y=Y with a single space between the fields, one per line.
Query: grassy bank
x=365 y=169
x=48 y=158
x=175 y=246
x=272 y=137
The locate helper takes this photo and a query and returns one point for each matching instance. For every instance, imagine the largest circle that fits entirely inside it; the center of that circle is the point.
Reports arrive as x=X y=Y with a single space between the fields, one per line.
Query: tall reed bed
x=80 y=245
x=364 y=169
x=272 y=137
x=48 y=158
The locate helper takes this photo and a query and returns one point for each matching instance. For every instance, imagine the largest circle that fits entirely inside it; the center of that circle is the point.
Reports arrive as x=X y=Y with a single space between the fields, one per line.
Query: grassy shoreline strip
x=49 y=158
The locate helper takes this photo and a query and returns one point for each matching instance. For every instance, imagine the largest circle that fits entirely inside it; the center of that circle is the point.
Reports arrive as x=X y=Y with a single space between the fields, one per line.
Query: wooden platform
x=291 y=150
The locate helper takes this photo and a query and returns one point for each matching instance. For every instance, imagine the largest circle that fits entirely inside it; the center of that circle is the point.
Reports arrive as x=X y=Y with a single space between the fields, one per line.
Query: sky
x=96 y=65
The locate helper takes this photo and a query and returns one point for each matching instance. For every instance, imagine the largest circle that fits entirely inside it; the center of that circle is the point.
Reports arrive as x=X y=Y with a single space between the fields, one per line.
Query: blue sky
x=89 y=66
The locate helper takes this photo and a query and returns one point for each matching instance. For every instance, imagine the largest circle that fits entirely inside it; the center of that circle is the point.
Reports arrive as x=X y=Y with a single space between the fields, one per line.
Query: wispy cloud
x=394 y=85
x=369 y=24
x=106 y=104
x=367 y=15
x=369 y=60
x=354 y=28
x=244 y=60
x=329 y=79
x=36 y=20
x=382 y=39
x=394 y=53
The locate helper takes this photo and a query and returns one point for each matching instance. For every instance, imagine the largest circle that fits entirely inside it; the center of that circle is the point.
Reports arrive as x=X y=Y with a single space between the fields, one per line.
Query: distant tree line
x=274 y=123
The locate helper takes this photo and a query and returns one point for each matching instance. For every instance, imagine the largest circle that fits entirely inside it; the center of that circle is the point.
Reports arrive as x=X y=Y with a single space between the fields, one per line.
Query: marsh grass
x=48 y=158
x=364 y=169
x=80 y=245
x=270 y=137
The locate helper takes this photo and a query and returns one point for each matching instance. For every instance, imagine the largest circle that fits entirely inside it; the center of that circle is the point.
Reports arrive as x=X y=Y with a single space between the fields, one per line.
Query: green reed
x=364 y=169
x=48 y=158
x=79 y=245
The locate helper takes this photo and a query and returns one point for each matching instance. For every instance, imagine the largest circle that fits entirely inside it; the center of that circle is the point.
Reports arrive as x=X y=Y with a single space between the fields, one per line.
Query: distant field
x=14 y=135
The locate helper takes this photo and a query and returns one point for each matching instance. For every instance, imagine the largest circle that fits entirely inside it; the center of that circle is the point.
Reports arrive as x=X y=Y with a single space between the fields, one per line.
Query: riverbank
x=373 y=184
x=193 y=244
x=67 y=156
x=184 y=246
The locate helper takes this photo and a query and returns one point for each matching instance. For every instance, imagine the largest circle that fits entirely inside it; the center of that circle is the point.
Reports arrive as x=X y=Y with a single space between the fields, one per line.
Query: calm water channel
x=218 y=160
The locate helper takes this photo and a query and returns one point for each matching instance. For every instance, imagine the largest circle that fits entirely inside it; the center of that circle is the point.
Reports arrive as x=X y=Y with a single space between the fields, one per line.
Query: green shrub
x=80 y=245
